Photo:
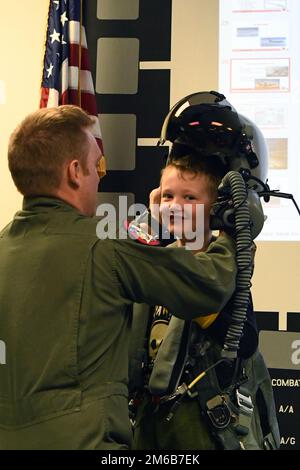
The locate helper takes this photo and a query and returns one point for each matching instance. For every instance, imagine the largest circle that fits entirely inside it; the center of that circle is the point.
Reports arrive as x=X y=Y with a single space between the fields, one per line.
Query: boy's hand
x=155 y=196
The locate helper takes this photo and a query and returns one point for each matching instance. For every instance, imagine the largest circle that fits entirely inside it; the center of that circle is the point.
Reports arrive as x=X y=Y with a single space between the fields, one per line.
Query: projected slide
x=259 y=72
x=260 y=75
x=261 y=34
x=258 y=5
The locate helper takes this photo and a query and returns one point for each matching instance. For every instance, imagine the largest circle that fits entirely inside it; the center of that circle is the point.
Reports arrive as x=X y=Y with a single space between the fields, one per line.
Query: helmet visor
x=194 y=101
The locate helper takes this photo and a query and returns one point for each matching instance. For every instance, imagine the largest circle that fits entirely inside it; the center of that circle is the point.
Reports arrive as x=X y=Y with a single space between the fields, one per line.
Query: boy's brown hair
x=195 y=164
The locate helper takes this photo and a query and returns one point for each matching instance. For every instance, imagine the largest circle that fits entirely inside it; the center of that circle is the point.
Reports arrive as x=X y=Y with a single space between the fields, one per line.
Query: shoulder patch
x=139 y=234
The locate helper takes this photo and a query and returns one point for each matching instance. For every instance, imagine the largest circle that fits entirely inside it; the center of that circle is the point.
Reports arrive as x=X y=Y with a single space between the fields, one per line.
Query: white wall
x=276 y=279
x=22 y=34
x=194 y=50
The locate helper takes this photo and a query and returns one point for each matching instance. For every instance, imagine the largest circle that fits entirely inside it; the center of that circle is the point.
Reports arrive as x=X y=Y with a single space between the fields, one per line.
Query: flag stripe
x=74 y=57
x=87 y=99
x=70 y=79
x=74 y=33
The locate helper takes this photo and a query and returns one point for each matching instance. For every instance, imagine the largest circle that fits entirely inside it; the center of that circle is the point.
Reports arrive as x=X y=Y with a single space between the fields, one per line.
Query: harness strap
x=229 y=411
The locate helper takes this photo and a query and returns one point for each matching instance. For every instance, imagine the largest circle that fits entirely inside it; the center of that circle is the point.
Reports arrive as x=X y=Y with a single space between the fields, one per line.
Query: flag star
x=62 y=39
x=49 y=70
x=54 y=36
x=57 y=3
x=63 y=18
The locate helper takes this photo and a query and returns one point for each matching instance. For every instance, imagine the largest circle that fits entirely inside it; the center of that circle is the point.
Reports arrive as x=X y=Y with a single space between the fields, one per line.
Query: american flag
x=67 y=78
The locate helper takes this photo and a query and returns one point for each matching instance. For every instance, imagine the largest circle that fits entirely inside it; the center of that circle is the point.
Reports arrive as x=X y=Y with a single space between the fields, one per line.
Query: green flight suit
x=65 y=315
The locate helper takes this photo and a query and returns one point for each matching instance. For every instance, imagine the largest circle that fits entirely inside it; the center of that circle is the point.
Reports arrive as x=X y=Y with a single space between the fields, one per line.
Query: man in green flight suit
x=65 y=295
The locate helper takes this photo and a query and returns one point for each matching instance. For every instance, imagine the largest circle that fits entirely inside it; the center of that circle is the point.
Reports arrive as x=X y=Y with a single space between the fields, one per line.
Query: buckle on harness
x=244 y=402
x=246 y=408
x=219 y=411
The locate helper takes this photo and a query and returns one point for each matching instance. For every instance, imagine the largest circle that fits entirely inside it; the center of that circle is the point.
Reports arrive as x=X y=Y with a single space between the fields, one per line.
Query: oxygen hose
x=242 y=227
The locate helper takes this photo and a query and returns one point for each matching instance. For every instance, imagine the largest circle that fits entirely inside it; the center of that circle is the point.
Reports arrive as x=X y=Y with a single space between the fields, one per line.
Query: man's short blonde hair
x=43 y=142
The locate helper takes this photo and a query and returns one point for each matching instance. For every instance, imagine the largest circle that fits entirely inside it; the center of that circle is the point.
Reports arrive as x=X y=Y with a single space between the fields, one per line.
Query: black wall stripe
x=151 y=103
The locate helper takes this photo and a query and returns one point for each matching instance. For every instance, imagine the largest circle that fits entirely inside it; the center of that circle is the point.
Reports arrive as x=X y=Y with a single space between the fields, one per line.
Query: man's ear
x=73 y=173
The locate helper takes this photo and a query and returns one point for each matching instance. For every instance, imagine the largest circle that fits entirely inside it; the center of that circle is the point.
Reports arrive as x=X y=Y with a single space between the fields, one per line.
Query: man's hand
x=154 y=202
